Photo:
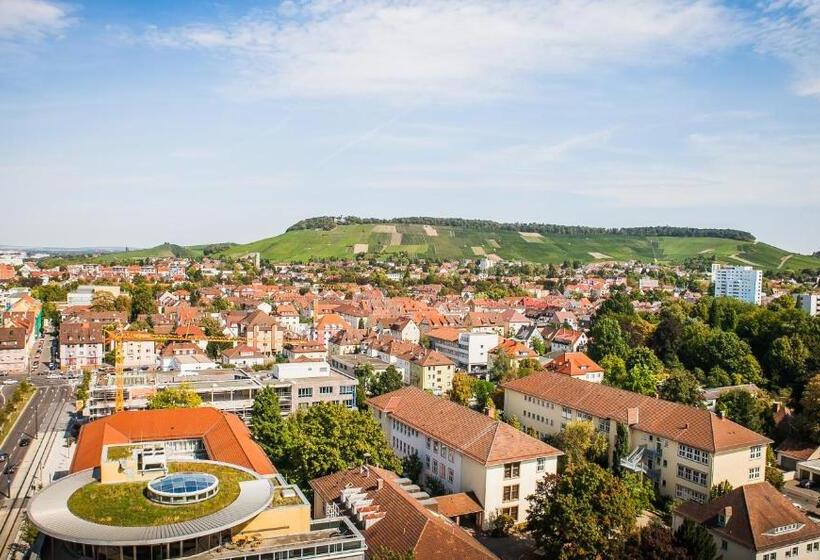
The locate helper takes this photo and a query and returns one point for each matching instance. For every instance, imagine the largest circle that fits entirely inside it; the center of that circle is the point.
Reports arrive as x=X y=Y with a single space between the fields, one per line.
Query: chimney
x=725 y=516
x=632 y=416
x=379 y=483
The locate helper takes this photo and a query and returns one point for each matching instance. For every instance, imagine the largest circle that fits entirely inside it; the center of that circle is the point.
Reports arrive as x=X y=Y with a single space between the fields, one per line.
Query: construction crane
x=118 y=336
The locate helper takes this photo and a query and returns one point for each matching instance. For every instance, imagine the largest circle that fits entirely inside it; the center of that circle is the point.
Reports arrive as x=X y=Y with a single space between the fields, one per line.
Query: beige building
x=13 y=350
x=755 y=522
x=465 y=451
x=683 y=450
x=139 y=353
x=432 y=371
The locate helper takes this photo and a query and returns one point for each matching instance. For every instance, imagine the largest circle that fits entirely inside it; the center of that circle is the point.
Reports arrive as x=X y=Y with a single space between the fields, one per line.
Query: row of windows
x=439 y=469
x=693 y=454
x=539 y=402
x=538 y=417
x=692 y=475
x=403 y=428
x=690 y=495
x=441 y=449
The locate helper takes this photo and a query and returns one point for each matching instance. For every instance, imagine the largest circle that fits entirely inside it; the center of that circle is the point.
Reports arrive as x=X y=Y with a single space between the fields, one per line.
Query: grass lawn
x=125 y=504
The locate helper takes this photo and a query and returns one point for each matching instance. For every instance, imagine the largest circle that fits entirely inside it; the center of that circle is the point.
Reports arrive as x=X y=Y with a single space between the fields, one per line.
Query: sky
x=135 y=123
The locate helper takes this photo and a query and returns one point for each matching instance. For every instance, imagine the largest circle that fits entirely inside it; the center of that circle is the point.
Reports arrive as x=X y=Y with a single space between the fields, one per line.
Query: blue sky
x=134 y=123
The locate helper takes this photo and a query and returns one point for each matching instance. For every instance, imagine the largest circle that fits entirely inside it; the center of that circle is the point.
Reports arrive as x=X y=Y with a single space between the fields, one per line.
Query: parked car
x=807 y=483
x=4 y=457
x=24 y=442
x=10 y=382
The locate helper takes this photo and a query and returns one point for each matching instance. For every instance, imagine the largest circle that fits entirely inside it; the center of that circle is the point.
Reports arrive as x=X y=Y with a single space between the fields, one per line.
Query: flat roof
x=49 y=512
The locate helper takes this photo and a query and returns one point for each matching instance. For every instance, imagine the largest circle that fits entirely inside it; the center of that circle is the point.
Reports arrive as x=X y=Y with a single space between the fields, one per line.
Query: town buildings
x=465 y=451
x=81 y=346
x=182 y=456
x=469 y=350
x=683 y=450
x=808 y=303
x=754 y=522
x=740 y=282
x=305 y=383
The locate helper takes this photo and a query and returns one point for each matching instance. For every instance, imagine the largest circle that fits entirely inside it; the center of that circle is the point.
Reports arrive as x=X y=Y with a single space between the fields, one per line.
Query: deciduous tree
x=175 y=397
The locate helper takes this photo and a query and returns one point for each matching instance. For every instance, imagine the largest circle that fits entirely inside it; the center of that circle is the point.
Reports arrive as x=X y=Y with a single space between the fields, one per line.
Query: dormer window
x=783 y=529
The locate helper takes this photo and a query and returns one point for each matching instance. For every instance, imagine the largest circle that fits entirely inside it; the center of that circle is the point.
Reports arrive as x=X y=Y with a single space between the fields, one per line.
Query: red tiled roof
x=226 y=438
x=574 y=363
x=486 y=440
x=685 y=424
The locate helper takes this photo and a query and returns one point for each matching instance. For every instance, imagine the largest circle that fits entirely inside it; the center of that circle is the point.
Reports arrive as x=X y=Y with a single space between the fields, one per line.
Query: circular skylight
x=183 y=488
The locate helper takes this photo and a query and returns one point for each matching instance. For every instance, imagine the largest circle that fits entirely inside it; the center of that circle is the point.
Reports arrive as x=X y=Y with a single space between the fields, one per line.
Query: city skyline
x=138 y=123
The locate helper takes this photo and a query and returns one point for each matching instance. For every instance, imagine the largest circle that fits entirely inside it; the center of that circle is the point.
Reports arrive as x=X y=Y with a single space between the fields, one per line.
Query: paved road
x=806 y=498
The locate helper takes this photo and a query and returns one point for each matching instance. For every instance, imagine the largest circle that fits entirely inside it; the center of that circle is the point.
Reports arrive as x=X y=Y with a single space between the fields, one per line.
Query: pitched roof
x=796 y=449
x=514 y=349
x=226 y=438
x=407 y=525
x=444 y=333
x=757 y=510
x=574 y=363
x=685 y=424
x=488 y=441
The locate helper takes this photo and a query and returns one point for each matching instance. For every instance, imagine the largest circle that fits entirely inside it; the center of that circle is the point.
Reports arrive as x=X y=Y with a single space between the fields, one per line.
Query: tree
x=607 y=338
x=462 y=391
x=654 y=542
x=744 y=408
x=583 y=513
x=364 y=374
x=696 y=540
x=103 y=300
x=385 y=553
x=538 y=346
x=809 y=419
x=640 y=488
x=719 y=490
x=329 y=437
x=582 y=442
x=774 y=475
x=501 y=524
x=683 y=387
x=411 y=467
x=638 y=374
x=388 y=380
x=514 y=422
x=267 y=421
x=502 y=367
x=142 y=301
x=175 y=397
x=483 y=392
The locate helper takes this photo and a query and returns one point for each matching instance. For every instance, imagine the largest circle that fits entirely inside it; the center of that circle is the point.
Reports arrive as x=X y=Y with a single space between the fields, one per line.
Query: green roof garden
x=125 y=504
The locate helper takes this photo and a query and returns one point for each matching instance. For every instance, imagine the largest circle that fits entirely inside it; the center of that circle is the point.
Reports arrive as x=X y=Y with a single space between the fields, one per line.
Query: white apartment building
x=740 y=282
x=469 y=350
x=683 y=450
x=465 y=451
x=84 y=295
x=139 y=354
x=808 y=303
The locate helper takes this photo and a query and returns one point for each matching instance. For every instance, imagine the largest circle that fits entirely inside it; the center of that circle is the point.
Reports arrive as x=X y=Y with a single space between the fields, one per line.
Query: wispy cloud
x=26 y=20
x=445 y=50
x=790 y=30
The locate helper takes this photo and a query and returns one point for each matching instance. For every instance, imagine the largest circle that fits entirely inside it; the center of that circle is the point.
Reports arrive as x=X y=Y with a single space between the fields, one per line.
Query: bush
x=501 y=525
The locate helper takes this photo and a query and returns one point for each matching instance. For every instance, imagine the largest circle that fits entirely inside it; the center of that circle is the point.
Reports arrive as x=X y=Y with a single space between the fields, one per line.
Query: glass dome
x=183 y=488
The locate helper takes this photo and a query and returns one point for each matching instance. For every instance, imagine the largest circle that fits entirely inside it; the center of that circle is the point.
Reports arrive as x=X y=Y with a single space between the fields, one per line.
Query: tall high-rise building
x=740 y=282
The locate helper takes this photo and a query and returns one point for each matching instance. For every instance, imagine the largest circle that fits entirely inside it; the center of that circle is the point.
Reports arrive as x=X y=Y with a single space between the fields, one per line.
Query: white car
x=53 y=376
x=10 y=382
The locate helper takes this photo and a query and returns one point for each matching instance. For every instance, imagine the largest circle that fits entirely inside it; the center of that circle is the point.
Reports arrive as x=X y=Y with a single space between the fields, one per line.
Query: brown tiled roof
x=488 y=441
x=226 y=438
x=12 y=338
x=432 y=358
x=444 y=333
x=800 y=450
x=463 y=503
x=574 y=363
x=81 y=333
x=408 y=525
x=685 y=424
x=756 y=511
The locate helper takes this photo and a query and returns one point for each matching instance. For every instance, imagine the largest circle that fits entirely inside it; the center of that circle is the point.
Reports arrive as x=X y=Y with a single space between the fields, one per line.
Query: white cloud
x=444 y=49
x=32 y=19
x=790 y=30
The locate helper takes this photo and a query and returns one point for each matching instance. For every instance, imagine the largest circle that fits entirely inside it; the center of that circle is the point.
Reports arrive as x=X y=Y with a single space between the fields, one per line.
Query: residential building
x=754 y=522
x=465 y=451
x=793 y=453
x=347 y=341
x=469 y=350
x=305 y=350
x=740 y=282
x=184 y=357
x=13 y=350
x=578 y=366
x=432 y=371
x=564 y=340
x=261 y=331
x=327 y=326
x=303 y=384
x=243 y=356
x=808 y=303
x=393 y=514
x=346 y=364
x=182 y=456
x=516 y=351
x=402 y=328
x=684 y=450
x=84 y=295
x=139 y=354
x=81 y=346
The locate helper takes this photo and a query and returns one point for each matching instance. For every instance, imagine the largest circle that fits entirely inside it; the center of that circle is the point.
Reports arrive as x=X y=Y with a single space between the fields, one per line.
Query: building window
x=326 y=390
x=692 y=475
x=450 y=474
x=689 y=495
x=510 y=493
x=512 y=470
x=541 y=464
x=693 y=454
x=305 y=392
x=755 y=452
x=566 y=413
x=754 y=473
x=511 y=511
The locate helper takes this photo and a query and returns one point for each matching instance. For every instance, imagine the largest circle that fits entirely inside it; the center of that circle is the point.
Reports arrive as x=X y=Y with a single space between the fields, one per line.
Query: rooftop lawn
x=125 y=505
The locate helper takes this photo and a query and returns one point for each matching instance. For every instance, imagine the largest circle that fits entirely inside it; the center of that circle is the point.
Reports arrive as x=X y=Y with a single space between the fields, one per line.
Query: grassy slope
x=455 y=243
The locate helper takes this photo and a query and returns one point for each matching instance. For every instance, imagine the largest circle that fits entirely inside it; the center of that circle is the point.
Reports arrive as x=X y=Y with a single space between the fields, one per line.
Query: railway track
x=17 y=504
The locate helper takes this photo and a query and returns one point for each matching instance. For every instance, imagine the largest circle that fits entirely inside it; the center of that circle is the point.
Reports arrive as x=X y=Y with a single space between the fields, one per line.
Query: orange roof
x=685 y=424
x=444 y=333
x=514 y=349
x=226 y=438
x=331 y=320
x=574 y=364
x=491 y=442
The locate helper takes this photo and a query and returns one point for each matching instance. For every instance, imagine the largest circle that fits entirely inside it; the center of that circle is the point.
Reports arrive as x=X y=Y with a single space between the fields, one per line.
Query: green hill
x=526 y=242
